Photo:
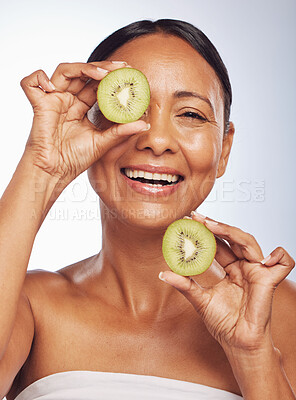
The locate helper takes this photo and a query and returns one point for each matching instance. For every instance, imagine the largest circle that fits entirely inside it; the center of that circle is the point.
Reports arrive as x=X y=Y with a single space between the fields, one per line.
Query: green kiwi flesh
x=188 y=247
x=123 y=95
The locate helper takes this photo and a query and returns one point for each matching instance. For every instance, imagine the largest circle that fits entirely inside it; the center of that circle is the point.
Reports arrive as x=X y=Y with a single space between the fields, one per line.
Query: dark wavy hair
x=188 y=32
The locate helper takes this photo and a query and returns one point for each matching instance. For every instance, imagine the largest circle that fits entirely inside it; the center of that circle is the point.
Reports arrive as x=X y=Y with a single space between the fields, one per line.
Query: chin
x=146 y=215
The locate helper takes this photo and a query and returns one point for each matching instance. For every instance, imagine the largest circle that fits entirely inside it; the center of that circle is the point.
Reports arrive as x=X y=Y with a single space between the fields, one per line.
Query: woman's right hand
x=63 y=142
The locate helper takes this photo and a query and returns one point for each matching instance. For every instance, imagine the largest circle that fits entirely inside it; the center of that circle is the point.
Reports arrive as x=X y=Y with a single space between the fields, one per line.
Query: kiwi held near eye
x=123 y=95
x=188 y=247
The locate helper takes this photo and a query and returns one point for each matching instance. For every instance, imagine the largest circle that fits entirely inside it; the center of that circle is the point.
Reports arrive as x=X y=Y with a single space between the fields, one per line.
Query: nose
x=161 y=136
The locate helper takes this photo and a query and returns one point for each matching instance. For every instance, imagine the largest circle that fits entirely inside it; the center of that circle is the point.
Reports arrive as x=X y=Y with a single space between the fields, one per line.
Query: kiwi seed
x=188 y=247
x=123 y=95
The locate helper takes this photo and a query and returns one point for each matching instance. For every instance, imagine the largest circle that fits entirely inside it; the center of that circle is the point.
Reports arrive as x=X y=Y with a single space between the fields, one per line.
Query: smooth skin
x=230 y=328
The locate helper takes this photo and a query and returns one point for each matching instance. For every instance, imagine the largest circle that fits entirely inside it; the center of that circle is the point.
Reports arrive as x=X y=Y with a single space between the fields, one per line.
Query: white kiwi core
x=189 y=248
x=123 y=96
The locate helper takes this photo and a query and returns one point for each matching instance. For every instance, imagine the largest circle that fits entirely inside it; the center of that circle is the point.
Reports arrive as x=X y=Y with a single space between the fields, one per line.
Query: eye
x=192 y=115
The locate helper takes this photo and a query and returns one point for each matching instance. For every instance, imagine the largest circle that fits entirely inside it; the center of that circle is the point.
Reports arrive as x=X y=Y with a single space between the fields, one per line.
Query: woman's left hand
x=237 y=310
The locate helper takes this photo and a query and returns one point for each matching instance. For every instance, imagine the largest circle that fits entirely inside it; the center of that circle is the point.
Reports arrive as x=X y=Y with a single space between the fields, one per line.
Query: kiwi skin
x=113 y=84
x=194 y=232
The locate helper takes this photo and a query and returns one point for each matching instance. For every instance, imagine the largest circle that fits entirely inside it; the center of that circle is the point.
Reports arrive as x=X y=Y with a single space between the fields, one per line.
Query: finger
x=36 y=85
x=104 y=141
x=87 y=94
x=111 y=65
x=279 y=256
x=73 y=76
x=195 y=293
x=224 y=254
x=66 y=72
x=279 y=264
x=243 y=244
x=87 y=97
x=77 y=84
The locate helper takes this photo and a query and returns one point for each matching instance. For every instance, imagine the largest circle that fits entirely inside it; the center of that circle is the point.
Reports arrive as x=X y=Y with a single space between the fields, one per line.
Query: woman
x=107 y=326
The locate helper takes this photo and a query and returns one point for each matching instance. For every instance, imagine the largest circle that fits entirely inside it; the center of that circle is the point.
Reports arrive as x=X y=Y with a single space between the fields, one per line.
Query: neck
x=130 y=261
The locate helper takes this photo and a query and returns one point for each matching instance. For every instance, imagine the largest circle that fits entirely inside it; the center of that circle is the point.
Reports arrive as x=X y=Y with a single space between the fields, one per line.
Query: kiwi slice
x=188 y=247
x=123 y=95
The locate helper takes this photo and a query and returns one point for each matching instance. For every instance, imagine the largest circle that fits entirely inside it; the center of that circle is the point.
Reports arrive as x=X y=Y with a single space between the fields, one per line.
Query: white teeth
x=132 y=173
x=151 y=184
x=148 y=175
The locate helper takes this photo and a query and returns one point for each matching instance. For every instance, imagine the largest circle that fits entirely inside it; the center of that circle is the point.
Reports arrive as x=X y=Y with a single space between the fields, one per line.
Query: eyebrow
x=185 y=93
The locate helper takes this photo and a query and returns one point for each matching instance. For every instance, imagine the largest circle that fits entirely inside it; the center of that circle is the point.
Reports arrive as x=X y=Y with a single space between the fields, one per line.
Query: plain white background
x=257 y=41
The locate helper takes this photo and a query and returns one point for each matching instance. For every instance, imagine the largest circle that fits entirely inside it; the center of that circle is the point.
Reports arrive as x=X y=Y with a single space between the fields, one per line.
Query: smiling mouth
x=152 y=179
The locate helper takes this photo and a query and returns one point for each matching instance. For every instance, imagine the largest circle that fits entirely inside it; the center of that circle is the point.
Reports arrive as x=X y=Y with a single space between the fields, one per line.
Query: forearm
x=22 y=209
x=261 y=375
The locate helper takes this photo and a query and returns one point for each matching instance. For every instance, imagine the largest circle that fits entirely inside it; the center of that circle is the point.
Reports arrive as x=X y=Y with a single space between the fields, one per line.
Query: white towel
x=93 y=385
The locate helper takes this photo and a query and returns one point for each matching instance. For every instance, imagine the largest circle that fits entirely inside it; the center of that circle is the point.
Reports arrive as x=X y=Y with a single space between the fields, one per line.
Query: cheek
x=202 y=153
x=96 y=179
x=102 y=174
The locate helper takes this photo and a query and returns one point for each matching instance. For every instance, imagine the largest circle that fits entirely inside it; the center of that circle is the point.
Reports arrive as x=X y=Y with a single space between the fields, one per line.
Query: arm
x=62 y=144
x=272 y=373
x=261 y=374
x=19 y=345
x=237 y=311
x=22 y=209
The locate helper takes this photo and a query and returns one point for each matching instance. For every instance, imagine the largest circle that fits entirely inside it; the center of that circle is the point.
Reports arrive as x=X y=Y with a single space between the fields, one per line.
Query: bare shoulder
x=40 y=282
x=41 y=285
x=284 y=325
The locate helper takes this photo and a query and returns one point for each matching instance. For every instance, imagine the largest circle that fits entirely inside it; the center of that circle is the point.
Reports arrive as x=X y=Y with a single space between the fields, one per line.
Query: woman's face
x=186 y=136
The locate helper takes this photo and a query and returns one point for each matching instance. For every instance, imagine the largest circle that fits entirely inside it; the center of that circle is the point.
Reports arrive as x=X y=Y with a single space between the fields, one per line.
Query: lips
x=154 y=169
x=150 y=179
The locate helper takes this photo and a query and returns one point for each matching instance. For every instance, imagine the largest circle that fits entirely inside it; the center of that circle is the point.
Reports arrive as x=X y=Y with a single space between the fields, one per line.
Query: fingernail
x=186 y=217
x=52 y=85
x=195 y=213
x=160 y=276
x=119 y=62
x=209 y=222
x=266 y=259
x=102 y=70
x=148 y=126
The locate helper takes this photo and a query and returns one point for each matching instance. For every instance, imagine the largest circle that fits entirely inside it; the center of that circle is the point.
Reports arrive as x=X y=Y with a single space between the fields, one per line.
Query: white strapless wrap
x=92 y=385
